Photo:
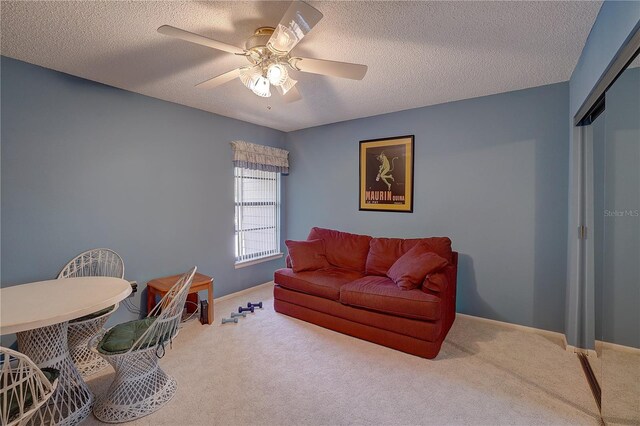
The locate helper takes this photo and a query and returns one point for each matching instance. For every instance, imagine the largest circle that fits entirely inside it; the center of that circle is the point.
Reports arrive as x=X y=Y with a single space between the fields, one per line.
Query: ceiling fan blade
x=292 y=95
x=332 y=68
x=297 y=21
x=219 y=80
x=198 y=39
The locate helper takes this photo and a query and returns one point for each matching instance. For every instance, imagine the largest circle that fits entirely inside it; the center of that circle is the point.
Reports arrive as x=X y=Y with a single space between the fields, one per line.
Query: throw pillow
x=411 y=268
x=307 y=255
x=435 y=282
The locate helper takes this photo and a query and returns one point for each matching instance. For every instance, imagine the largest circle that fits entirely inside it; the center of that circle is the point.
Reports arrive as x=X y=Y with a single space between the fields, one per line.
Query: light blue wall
x=615 y=22
x=86 y=165
x=490 y=173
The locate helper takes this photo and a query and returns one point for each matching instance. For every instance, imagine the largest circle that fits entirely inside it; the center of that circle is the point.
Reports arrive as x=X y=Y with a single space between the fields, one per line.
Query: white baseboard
x=615 y=347
x=600 y=345
x=557 y=335
x=591 y=353
x=241 y=292
x=525 y=328
x=554 y=334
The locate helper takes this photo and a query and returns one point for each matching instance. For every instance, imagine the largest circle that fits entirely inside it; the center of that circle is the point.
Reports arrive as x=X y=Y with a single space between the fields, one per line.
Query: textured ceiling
x=418 y=53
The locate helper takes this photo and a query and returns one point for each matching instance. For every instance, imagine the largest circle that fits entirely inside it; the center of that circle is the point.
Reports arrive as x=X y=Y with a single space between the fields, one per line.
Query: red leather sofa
x=354 y=296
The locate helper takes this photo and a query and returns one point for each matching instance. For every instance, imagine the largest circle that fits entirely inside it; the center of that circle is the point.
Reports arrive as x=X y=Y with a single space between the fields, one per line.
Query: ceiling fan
x=268 y=52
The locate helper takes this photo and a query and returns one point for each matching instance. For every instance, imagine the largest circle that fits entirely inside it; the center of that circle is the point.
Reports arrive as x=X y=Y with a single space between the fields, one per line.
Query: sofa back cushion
x=410 y=270
x=344 y=250
x=307 y=255
x=383 y=252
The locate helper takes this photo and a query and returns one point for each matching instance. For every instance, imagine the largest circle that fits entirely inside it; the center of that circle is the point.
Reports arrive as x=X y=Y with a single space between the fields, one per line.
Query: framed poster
x=386 y=174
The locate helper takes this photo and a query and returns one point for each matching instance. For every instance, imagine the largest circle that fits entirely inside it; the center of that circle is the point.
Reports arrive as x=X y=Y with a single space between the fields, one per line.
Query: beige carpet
x=275 y=370
x=618 y=372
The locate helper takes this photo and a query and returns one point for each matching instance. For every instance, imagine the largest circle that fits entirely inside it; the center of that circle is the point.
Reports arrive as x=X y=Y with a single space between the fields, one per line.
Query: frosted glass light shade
x=296 y=22
x=277 y=74
x=261 y=87
x=249 y=75
x=287 y=85
x=284 y=39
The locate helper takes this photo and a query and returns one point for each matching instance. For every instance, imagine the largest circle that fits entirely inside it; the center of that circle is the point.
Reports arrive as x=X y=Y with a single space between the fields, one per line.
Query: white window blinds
x=257 y=202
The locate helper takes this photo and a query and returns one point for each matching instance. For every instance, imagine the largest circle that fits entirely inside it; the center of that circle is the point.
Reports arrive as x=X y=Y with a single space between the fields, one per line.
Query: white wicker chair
x=99 y=262
x=24 y=388
x=140 y=387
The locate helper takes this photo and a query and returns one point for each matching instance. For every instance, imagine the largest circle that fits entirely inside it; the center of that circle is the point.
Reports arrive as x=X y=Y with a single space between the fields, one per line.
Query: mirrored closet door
x=615 y=139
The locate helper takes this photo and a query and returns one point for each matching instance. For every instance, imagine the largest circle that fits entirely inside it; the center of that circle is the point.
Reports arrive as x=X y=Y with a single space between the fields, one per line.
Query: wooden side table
x=160 y=287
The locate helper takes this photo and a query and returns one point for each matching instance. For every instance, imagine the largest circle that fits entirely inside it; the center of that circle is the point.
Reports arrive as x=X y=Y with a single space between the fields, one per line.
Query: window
x=257 y=199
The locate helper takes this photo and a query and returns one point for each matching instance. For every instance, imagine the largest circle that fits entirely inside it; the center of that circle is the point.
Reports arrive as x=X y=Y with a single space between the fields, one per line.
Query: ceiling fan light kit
x=261 y=87
x=277 y=74
x=286 y=86
x=268 y=52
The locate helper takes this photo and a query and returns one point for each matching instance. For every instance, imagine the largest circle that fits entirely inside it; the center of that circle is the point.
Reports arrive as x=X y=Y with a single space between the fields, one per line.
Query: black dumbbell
x=241 y=309
x=225 y=320
x=254 y=305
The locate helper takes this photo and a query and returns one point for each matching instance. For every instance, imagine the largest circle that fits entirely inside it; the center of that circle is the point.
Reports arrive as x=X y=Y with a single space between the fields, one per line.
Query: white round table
x=40 y=313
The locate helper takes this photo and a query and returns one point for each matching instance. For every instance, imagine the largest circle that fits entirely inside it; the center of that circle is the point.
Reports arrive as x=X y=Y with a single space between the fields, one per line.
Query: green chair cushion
x=121 y=338
x=51 y=374
x=94 y=314
x=14 y=407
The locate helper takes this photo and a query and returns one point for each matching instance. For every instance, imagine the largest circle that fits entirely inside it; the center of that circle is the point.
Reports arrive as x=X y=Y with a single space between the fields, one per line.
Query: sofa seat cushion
x=344 y=250
x=383 y=252
x=383 y=295
x=323 y=283
x=423 y=330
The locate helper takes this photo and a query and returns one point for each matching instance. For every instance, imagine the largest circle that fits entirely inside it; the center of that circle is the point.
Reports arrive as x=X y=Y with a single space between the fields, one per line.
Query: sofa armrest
x=288 y=262
x=452 y=269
